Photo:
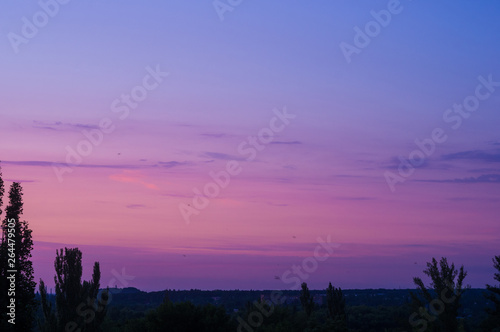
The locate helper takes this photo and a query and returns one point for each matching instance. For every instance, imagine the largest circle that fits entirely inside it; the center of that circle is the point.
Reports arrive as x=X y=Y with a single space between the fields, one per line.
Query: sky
x=255 y=144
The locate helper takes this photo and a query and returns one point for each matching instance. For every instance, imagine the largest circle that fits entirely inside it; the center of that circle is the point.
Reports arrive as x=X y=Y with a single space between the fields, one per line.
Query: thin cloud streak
x=286 y=142
x=222 y=156
x=479 y=155
x=485 y=178
x=61 y=126
x=34 y=163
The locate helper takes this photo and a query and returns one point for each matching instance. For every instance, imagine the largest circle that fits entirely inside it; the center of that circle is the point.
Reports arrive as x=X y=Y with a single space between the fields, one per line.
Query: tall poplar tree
x=306 y=299
x=18 y=247
x=335 y=301
x=2 y=191
x=3 y=262
x=78 y=307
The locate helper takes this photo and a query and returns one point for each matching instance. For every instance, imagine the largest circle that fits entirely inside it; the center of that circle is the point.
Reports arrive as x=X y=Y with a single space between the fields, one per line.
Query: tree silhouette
x=306 y=299
x=3 y=260
x=442 y=298
x=335 y=301
x=492 y=323
x=50 y=324
x=17 y=244
x=2 y=191
x=187 y=317
x=77 y=305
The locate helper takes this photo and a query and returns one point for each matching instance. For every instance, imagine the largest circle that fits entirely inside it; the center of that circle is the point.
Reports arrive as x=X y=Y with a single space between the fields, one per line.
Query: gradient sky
x=322 y=175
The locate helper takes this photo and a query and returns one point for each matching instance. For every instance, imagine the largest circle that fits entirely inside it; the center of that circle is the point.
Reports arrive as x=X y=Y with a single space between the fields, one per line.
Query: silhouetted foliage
x=492 y=323
x=2 y=191
x=377 y=310
x=185 y=316
x=77 y=305
x=15 y=249
x=442 y=298
x=335 y=301
x=306 y=299
x=48 y=313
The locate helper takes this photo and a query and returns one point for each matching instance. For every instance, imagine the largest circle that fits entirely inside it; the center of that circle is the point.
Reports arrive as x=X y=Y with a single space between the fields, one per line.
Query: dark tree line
x=336 y=318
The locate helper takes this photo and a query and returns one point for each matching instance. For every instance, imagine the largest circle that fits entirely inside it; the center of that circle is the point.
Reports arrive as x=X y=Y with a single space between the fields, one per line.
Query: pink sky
x=322 y=173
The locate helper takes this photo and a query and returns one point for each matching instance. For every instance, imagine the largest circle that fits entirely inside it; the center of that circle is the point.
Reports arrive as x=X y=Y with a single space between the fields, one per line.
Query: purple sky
x=116 y=114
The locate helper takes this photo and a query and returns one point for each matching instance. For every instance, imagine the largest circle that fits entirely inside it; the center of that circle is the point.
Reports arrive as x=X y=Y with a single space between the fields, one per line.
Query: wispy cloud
x=117 y=166
x=478 y=199
x=215 y=135
x=290 y=248
x=483 y=170
x=173 y=163
x=222 y=156
x=19 y=181
x=28 y=163
x=62 y=126
x=494 y=142
x=39 y=163
x=395 y=162
x=277 y=204
x=485 y=178
x=136 y=206
x=286 y=142
x=478 y=155
x=354 y=198
x=178 y=195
